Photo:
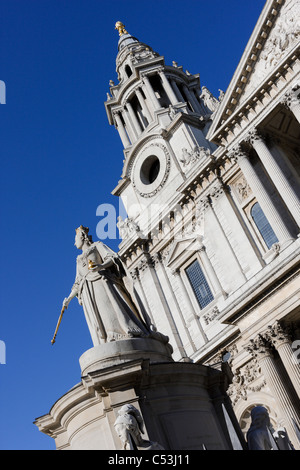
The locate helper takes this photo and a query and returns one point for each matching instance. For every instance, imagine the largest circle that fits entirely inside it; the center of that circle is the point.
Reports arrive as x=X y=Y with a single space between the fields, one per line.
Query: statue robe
x=109 y=309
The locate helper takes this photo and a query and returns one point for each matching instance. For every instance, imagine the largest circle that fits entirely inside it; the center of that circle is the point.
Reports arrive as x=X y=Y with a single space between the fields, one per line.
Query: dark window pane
x=263 y=225
x=199 y=284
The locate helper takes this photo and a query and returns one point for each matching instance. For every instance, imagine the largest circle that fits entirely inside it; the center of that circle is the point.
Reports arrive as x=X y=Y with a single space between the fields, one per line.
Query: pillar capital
x=292 y=97
x=254 y=136
x=278 y=334
x=201 y=206
x=259 y=348
x=217 y=190
x=236 y=154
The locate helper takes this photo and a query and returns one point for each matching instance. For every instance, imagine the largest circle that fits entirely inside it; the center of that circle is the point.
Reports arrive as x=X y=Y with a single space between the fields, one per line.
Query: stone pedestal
x=180 y=403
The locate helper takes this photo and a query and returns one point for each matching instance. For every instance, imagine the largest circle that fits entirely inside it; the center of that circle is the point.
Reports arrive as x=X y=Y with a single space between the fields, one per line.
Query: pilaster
x=280 y=337
x=276 y=173
x=265 y=201
x=291 y=101
x=288 y=412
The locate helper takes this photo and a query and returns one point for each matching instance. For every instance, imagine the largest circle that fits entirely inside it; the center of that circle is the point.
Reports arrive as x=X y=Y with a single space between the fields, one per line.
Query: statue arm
x=74 y=291
x=107 y=263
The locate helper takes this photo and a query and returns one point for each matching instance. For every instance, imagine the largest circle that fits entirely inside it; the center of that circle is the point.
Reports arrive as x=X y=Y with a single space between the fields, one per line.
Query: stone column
x=157 y=302
x=149 y=90
x=264 y=199
x=134 y=119
x=191 y=318
x=135 y=274
x=292 y=102
x=192 y=99
x=217 y=288
x=281 y=339
x=276 y=174
x=143 y=105
x=177 y=91
x=261 y=350
x=216 y=192
x=160 y=270
x=167 y=87
x=122 y=132
x=130 y=128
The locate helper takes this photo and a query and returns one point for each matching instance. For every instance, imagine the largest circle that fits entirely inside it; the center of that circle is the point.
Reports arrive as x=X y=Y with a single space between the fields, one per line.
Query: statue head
x=260 y=416
x=82 y=236
x=129 y=426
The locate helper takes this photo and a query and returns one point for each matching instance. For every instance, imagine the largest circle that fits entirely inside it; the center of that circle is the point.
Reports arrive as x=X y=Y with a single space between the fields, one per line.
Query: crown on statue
x=82 y=229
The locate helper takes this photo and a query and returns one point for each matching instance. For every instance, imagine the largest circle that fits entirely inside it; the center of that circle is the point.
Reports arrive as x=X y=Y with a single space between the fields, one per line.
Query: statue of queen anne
x=100 y=287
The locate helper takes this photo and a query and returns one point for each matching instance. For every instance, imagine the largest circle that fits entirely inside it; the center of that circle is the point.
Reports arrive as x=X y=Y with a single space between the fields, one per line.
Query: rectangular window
x=199 y=284
x=263 y=225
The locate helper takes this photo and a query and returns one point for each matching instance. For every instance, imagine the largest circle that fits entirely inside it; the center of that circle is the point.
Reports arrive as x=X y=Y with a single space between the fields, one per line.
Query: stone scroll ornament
x=112 y=308
x=129 y=426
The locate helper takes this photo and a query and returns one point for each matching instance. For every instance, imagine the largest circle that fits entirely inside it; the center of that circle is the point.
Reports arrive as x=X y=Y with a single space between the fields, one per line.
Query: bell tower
x=162 y=116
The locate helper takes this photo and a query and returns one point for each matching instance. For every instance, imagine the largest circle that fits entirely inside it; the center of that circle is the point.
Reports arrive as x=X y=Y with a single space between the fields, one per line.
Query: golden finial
x=121 y=28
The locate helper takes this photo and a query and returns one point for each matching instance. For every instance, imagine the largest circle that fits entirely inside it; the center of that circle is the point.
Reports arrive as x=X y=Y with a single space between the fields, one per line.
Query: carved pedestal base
x=181 y=404
x=117 y=353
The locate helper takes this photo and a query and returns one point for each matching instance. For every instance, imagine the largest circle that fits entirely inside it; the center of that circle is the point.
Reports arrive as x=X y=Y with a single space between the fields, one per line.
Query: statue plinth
x=129 y=377
x=117 y=353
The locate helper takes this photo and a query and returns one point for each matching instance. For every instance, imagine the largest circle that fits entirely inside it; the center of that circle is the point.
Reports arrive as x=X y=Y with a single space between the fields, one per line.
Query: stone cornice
x=259 y=95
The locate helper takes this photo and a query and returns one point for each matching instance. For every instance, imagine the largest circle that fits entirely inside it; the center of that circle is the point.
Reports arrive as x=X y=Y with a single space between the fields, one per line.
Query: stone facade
x=214 y=183
x=211 y=189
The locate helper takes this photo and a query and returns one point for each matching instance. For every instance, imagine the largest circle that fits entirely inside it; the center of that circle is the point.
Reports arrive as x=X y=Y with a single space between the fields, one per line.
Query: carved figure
x=282 y=439
x=130 y=426
x=258 y=435
x=196 y=154
x=102 y=288
x=209 y=100
x=127 y=227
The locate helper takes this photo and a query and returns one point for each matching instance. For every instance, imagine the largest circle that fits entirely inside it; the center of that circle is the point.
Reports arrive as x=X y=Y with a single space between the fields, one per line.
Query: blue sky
x=60 y=159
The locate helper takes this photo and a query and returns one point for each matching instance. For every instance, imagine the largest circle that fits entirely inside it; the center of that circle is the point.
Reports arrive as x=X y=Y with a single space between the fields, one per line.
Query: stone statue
x=259 y=436
x=100 y=286
x=130 y=426
x=209 y=100
x=282 y=439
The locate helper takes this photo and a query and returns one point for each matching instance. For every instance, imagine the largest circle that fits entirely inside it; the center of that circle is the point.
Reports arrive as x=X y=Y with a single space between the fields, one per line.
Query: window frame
x=206 y=277
x=244 y=207
x=180 y=259
x=257 y=227
x=188 y=286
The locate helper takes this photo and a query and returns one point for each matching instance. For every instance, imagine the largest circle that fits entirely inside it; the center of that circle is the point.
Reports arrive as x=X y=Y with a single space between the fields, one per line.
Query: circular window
x=150 y=170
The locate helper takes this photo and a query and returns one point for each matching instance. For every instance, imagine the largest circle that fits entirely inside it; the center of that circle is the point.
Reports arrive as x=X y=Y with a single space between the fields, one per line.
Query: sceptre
x=58 y=323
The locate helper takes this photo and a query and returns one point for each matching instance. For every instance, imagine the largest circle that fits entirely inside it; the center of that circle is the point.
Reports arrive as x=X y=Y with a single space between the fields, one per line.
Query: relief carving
x=242 y=188
x=196 y=154
x=283 y=37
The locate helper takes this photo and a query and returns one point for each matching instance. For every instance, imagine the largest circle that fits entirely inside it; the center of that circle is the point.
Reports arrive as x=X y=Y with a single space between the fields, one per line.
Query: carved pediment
x=181 y=250
x=274 y=39
x=283 y=37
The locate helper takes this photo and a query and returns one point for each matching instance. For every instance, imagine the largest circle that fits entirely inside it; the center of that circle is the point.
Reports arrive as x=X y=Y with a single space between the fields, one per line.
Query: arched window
x=199 y=284
x=263 y=225
x=128 y=71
